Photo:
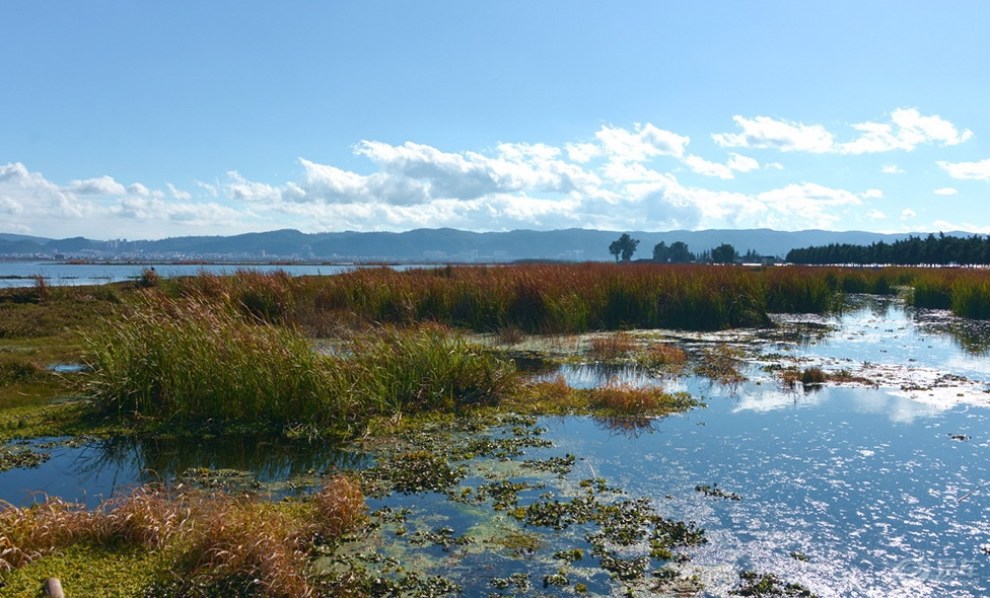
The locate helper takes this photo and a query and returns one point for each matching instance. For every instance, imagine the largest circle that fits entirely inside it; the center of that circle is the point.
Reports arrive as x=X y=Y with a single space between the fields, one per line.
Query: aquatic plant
x=615 y=398
x=426 y=368
x=241 y=545
x=195 y=360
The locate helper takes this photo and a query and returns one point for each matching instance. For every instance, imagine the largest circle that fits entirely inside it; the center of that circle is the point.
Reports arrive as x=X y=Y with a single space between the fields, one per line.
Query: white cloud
x=906 y=130
x=178 y=193
x=241 y=189
x=876 y=215
x=764 y=132
x=104 y=185
x=871 y=194
x=946 y=191
x=908 y=213
x=892 y=169
x=642 y=144
x=138 y=189
x=976 y=171
x=736 y=163
x=583 y=152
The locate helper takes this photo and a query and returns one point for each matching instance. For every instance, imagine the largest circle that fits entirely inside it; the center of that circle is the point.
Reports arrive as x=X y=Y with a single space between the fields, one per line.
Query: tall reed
x=195 y=360
x=191 y=359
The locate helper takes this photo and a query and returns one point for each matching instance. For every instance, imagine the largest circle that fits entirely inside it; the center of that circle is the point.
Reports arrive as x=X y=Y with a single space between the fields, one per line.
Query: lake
x=21 y=274
x=872 y=488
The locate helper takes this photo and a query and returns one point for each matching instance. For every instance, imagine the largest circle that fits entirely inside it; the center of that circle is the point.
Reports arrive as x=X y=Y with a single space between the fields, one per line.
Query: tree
x=661 y=253
x=624 y=247
x=679 y=253
x=724 y=254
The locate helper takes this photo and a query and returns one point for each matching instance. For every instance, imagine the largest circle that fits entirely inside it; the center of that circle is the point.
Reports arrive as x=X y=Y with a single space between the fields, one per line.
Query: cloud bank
x=639 y=177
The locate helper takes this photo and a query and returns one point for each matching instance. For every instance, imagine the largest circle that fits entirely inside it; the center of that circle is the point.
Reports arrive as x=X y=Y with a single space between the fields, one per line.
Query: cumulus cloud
x=976 y=171
x=616 y=178
x=908 y=213
x=641 y=144
x=906 y=130
x=946 y=191
x=104 y=185
x=891 y=169
x=94 y=205
x=736 y=163
x=764 y=132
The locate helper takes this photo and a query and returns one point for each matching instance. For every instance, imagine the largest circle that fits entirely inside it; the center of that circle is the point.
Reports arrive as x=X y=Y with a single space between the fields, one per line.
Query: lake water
x=850 y=490
x=21 y=274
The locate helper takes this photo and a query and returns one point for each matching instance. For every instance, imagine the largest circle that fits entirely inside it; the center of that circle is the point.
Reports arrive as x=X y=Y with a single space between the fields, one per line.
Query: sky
x=145 y=120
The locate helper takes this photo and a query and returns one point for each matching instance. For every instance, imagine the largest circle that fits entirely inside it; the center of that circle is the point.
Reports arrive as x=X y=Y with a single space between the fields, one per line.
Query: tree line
x=913 y=251
x=623 y=248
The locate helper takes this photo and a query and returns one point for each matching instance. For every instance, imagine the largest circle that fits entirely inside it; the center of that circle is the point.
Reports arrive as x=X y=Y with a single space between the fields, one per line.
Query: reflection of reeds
x=244 y=546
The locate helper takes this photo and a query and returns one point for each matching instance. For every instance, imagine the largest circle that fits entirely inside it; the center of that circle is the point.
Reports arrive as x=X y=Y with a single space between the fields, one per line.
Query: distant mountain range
x=425 y=245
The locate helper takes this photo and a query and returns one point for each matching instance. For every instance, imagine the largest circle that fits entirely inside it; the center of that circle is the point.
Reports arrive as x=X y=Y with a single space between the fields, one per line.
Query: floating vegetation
x=560 y=466
x=752 y=583
x=412 y=472
x=715 y=491
x=21 y=457
x=721 y=364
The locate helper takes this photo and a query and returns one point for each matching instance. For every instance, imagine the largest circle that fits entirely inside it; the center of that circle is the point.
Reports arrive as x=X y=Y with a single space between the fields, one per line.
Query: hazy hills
x=426 y=245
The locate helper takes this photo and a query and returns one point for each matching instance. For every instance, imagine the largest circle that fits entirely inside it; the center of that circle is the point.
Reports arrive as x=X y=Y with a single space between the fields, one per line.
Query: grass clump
x=235 y=545
x=623 y=399
x=426 y=369
x=196 y=360
x=612 y=347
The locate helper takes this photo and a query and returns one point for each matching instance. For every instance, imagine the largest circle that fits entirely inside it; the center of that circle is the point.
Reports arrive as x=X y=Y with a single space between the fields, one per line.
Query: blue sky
x=139 y=119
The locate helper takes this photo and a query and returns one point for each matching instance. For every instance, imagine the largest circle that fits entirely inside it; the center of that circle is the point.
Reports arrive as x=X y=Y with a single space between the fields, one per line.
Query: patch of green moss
x=87 y=570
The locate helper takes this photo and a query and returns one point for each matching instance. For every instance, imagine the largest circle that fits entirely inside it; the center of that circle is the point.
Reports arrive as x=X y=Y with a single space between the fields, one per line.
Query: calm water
x=880 y=491
x=21 y=274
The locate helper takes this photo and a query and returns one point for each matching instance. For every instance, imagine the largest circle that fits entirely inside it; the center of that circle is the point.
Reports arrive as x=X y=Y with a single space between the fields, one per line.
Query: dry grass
x=244 y=545
x=624 y=399
x=612 y=347
x=663 y=355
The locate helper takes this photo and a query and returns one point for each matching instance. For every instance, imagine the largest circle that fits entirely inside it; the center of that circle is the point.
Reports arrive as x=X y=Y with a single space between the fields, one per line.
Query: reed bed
x=195 y=360
x=546 y=298
x=244 y=546
x=191 y=359
x=964 y=291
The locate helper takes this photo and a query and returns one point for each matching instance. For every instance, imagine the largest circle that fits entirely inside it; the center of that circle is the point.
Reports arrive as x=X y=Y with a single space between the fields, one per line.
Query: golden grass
x=246 y=545
x=612 y=347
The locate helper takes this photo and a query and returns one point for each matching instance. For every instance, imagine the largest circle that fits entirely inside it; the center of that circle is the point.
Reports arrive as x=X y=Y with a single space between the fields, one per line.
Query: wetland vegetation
x=442 y=378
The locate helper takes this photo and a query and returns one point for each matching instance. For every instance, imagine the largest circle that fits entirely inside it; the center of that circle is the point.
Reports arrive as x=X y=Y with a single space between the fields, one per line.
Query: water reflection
x=93 y=471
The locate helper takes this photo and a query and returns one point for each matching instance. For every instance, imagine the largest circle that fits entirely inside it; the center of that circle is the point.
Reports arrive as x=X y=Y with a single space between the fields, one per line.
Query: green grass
x=191 y=360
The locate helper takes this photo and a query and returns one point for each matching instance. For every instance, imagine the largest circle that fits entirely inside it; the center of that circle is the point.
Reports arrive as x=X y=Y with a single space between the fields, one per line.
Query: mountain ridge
x=431 y=245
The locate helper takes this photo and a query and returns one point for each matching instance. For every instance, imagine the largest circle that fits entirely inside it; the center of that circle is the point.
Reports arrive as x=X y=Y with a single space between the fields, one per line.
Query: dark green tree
x=724 y=254
x=661 y=253
x=624 y=247
x=679 y=253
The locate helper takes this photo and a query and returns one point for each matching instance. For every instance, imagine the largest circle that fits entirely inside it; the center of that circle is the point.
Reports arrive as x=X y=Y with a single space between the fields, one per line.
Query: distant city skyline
x=153 y=120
